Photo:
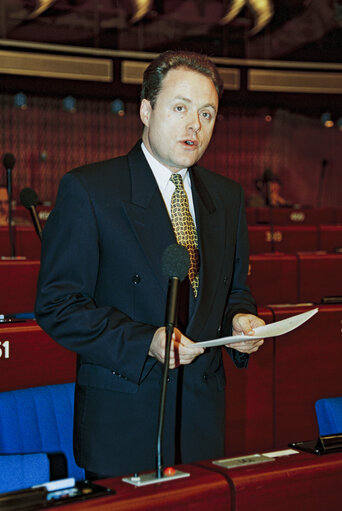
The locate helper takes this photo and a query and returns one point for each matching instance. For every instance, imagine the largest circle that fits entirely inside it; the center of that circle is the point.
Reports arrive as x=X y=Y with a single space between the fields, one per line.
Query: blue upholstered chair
x=39 y=420
x=329 y=415
x=19 y=471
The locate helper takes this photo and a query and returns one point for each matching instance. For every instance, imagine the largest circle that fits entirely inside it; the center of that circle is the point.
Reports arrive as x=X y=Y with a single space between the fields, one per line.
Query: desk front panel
x=30 y=358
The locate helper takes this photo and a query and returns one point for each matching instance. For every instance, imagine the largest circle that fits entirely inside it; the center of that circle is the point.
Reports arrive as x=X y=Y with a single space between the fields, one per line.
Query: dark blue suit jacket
x=102 y=293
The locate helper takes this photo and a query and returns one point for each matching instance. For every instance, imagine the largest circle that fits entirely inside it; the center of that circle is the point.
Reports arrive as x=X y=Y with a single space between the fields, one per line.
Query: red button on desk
x=169 y=471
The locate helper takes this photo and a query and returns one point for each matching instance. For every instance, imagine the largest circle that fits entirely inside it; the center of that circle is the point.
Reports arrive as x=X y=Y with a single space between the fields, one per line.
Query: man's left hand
x=245 y=324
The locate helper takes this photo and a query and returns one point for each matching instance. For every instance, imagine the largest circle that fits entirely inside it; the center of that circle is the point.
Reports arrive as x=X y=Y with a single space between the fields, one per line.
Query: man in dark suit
x=102 y=292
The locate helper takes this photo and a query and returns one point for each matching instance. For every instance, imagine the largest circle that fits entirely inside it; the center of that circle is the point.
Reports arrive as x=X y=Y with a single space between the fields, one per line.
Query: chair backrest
x=39 y=420
x=329 y=415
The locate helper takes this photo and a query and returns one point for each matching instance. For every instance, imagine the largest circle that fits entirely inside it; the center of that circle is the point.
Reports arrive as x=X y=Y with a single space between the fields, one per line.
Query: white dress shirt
x=162 y=175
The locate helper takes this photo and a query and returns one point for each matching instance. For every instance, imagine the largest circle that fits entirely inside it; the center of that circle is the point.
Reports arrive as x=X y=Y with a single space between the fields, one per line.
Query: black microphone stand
x=171 y=314
x=10 y=226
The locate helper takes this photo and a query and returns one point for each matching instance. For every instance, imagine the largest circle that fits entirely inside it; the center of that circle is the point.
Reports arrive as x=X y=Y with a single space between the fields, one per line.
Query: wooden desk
x=299 y=482
x=330 y=237
x=202 y=491
x=288 y=239
x=18 y=286
x=29 y=358
x=273 y=278
x=296 y=216
x=319 y=275
x=249 y=399
x=27 y=243
x=307 y=366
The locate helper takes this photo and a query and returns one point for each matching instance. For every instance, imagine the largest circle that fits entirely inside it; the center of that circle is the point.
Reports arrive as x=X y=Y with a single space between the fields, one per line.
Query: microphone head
x=8 y=161
x=28 y=197
x=175 y=261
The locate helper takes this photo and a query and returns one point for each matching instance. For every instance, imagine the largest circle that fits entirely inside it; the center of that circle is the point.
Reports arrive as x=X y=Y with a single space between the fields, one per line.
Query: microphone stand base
x=151 y=478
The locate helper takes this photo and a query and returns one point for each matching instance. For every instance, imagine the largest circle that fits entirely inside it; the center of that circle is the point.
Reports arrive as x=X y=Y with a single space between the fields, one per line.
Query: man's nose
x=195 y=123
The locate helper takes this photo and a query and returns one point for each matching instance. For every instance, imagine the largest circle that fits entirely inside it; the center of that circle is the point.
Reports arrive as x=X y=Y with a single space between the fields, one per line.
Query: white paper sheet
x=263 y=332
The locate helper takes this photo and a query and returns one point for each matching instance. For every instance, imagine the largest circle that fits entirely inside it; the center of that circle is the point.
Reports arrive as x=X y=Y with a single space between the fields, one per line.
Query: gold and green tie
x=184 y=228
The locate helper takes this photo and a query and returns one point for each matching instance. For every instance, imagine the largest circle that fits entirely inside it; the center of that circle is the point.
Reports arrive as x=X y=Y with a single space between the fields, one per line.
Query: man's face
x=3 y=206
x=179 y=127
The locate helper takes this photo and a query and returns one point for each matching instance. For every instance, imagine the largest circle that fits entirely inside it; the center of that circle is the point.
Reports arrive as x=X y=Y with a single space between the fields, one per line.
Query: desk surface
x=296 y=482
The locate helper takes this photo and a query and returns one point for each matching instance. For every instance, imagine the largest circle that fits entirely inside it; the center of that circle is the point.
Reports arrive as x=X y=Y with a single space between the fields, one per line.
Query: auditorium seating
x=40 y=420
x=329 y=415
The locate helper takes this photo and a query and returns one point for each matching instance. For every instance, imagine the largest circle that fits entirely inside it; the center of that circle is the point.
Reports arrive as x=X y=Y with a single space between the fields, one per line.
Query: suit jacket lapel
x=147 y=213
x=211 y=227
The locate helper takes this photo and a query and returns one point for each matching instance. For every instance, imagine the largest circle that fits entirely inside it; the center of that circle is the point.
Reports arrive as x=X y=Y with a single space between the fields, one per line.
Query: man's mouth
x=190 y=143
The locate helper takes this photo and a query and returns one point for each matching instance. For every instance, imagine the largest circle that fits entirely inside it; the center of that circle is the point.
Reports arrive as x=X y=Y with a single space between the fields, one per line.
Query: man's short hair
x=155 y=73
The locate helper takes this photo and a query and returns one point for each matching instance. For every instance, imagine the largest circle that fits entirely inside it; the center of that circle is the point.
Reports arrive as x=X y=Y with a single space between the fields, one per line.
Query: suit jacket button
x=136 y=279
x=205 y=377
x=219 y=331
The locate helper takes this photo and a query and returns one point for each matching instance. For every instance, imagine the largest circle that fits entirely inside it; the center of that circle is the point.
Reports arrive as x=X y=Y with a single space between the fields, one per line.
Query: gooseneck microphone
x=9 y=162
x=29 y=199
x=175 y=266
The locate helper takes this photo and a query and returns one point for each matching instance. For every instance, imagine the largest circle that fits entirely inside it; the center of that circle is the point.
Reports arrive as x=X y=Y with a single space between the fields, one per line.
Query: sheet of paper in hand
x=263 y=332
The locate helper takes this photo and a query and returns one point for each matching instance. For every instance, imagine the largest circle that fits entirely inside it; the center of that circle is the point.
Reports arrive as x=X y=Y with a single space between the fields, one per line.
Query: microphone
x=9 y=162
x=175 y=266
x=29 y=199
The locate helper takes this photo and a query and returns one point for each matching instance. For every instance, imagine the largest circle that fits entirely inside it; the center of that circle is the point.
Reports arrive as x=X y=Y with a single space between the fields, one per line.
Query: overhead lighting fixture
x=262 y=12
x=141 y=8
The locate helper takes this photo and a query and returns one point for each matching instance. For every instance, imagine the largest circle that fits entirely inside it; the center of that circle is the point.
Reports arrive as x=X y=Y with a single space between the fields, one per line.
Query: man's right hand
x=182 y=351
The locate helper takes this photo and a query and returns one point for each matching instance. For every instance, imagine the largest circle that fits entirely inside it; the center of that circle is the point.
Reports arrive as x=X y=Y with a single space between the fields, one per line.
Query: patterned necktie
x=184 y=227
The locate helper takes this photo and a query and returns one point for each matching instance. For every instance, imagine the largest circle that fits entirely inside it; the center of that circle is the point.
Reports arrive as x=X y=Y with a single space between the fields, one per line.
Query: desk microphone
x=175 y=266
x=29 y=199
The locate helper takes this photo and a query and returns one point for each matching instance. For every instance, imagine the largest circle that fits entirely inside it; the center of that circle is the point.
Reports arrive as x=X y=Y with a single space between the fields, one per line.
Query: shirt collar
x=161 y=173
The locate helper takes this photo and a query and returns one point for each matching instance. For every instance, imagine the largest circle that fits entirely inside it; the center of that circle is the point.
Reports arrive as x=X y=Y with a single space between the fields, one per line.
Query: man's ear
x=145 y=112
